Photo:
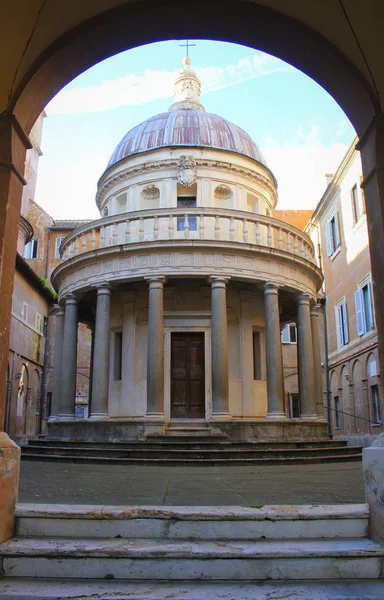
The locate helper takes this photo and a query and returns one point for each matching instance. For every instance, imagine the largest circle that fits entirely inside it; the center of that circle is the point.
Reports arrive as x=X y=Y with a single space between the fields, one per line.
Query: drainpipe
x=48 y=251
x=323 y=302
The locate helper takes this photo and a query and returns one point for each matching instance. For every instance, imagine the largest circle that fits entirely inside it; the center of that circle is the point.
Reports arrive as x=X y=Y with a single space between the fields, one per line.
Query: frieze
x=282 y=270
x=164 y=260
x=186 y=259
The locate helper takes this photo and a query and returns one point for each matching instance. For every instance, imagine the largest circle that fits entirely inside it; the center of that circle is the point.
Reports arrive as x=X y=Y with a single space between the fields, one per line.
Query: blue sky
x=300 y=129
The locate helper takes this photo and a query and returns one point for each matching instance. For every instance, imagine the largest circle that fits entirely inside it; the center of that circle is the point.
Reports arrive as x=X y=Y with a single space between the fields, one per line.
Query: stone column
x=315 y=316
x=219 y=346
x=273 y=350
x=92 y=330
x=305 y=359
x=57 y=361
x=69 y=359
x=100 y=374
x=155 y=348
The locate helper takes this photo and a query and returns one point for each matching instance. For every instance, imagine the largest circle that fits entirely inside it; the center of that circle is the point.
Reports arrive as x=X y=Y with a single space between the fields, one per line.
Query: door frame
x=167 y=366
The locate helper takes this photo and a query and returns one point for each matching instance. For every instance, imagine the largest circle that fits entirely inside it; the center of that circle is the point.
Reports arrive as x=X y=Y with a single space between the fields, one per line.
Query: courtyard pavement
x=71 y=483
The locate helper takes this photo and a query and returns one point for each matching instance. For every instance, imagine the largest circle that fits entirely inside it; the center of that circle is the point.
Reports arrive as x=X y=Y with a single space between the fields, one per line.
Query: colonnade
x=308 y=338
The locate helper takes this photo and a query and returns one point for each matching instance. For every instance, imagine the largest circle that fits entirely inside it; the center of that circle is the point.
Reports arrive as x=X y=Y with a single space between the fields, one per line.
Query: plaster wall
x=344 y=272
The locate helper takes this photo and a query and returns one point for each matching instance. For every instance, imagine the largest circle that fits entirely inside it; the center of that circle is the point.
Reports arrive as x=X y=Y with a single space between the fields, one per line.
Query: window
x=376 y=404
x=30 y=250
x=105 y=212
x=289 y=334
x=58 y=242
x=336 y=401
x=342 y=324
x=186 y=202
x=257 y=375
x=363 y=207
x=24 y=311
x=48 y=405
x=117 y=355
x=39 y=322
x=364 y=309
x=332 y=237
x=294 y=405
x=356 y=205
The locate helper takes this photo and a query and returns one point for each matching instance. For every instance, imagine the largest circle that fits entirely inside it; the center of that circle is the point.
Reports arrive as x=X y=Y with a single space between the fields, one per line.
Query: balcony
x=180 y=224
x=187 y=242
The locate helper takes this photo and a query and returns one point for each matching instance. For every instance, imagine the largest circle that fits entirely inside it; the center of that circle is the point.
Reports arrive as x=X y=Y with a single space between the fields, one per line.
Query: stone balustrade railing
x=173 y=224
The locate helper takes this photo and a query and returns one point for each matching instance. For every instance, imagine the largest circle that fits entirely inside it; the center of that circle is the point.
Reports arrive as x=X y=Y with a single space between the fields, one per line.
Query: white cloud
x=300 y=171
x=132 y=90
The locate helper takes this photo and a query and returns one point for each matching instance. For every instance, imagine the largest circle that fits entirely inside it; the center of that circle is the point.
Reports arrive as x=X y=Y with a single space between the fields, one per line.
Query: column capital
x=304 y=298
x=156 y=281
x=271 y=288
x=58 y=311
x=70 y=299
x=218 y=281
x=315 y=310
x=104 y=288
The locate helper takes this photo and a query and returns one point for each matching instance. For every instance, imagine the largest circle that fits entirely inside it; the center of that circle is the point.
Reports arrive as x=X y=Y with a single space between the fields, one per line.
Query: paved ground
x=46 y=482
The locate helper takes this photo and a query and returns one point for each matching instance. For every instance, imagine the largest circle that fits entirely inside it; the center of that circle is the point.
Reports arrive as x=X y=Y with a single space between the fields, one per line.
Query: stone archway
x=128 y=26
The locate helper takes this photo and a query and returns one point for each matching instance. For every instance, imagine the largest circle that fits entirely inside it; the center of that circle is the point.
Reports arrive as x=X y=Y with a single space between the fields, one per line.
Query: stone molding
x=26 y=228
x=145 y=261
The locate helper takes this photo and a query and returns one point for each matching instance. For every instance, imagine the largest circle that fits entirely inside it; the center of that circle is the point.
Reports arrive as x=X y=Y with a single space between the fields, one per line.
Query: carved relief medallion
x=186 y=170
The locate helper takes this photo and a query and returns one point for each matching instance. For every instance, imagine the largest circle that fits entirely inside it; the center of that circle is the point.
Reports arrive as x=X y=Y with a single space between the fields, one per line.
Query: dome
x=186 y=127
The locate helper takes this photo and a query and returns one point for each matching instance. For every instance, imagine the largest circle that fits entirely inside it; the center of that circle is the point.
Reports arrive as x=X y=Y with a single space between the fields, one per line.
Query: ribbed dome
x=186 y=127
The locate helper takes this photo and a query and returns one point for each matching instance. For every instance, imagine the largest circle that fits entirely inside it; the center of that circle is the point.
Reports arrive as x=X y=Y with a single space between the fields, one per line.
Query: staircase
x=191 y=553
x=192 y=450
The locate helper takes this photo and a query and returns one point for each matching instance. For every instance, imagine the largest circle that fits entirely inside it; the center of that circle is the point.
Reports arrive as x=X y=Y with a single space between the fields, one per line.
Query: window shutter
x=328 y=239
x=57 y=248
x=345 y=323
x=337 y=232
x=340 y=326
x=370 y=316
x=360 y=317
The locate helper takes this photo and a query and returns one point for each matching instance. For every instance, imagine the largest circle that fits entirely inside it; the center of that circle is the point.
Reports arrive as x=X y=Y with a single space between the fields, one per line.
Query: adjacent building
x=338 y=229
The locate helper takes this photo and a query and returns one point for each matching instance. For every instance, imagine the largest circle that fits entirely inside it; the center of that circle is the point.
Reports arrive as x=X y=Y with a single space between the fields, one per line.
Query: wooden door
x=187 y=376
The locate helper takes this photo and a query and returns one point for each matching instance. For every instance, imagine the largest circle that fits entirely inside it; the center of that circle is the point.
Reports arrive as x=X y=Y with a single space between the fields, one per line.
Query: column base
x=9 y=485
x=155 y=415
x=98 y=417
x=221 y=415
x=310 y=417
x=276 y=416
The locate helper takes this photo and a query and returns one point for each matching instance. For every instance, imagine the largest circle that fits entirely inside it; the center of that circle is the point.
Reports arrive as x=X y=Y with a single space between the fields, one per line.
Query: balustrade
x=188 y=224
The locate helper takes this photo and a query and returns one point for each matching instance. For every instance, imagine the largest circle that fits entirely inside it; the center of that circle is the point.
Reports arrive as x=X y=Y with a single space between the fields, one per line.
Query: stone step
x=185 y=453
x=164 y=442
x=210 y=560
x=73 y=589
x=203 y=523
x=209 y=461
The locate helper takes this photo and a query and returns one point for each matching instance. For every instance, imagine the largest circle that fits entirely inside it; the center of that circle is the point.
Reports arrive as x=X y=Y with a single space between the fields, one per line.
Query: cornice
x=145 y=167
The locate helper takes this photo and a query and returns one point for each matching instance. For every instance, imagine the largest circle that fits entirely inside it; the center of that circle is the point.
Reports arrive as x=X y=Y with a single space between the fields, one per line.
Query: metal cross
x=187 y=46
